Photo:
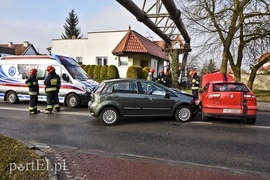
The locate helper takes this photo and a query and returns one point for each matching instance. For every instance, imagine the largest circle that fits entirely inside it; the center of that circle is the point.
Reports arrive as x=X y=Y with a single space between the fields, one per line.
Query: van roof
x=28 y=57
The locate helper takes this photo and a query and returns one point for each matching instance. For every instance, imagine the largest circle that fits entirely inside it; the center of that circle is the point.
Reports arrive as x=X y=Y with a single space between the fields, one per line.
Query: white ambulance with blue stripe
x=76 y=86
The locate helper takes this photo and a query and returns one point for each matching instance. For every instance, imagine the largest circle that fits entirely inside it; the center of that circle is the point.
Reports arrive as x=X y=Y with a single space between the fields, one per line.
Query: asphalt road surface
x=218 y=143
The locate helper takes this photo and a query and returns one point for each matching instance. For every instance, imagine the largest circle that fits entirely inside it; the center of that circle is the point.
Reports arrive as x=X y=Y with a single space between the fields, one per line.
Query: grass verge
x=17 y=161
x=262 y=95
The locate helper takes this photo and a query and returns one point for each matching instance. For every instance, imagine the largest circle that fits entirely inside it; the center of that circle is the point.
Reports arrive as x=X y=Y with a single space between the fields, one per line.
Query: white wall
x=98 y=44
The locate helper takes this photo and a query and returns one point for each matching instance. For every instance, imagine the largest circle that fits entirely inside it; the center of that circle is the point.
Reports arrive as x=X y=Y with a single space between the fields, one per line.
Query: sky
x=40 y=21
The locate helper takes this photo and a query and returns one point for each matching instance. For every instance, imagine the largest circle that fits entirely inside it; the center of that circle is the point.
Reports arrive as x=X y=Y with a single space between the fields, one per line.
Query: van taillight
x=213 y=96
x=101 y=87
x=250 y=97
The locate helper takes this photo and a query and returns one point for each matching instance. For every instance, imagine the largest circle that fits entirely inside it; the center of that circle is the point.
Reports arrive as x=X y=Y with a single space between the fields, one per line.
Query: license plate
x=226 y=110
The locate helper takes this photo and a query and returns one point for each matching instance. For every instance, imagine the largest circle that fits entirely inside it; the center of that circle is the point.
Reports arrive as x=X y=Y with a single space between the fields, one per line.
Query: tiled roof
x=133 y=42
x=266 y=66
x=20 y=49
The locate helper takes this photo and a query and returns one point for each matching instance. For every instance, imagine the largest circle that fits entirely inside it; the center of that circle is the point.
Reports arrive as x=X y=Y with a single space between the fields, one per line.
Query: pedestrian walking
x=52 y=85
x=32 y=84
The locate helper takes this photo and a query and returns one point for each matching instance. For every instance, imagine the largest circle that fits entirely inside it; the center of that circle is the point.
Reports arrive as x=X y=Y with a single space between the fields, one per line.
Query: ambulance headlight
x=87 y=89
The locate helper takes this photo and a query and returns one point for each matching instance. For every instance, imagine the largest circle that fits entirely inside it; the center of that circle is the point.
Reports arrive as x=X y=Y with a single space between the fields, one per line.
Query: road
x=220 y=143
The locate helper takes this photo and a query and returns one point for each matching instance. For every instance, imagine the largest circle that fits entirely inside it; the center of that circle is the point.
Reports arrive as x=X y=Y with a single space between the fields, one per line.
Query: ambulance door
x=41 y=74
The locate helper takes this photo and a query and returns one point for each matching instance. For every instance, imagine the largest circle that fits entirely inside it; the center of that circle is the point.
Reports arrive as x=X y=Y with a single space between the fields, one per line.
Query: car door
x=125 y=95
x=155 y=101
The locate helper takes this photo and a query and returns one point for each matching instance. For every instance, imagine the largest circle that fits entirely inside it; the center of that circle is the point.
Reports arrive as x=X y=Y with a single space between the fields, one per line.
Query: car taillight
x=213 y=96
x=100 y=89
x=249 y=97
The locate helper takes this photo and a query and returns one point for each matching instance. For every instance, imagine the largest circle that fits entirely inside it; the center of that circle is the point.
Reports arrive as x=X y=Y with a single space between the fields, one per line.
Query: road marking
x=61 y=112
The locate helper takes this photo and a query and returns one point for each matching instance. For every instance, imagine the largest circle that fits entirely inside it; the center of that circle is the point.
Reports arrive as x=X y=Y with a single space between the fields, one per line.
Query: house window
x=101 y=60
x=123 y=61
x=79 y=60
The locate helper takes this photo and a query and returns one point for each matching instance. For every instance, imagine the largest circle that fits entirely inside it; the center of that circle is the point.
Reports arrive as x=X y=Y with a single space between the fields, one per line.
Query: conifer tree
x=71 y=28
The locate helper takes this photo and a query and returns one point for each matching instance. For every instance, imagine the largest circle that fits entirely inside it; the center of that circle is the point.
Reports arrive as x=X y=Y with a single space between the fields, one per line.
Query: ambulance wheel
x=12 y=97
x=73 y=100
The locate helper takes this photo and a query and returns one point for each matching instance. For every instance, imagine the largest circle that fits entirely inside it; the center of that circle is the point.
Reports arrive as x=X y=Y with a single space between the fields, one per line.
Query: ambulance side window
x=24 y=70
x=41 y=72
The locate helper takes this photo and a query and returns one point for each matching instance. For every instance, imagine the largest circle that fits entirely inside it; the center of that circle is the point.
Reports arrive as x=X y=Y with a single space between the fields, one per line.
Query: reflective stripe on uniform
x=194 y=87
x=33 y=93
x=51 y=89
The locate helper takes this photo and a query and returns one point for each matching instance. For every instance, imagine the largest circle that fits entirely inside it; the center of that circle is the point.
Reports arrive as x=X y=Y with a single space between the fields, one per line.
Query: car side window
x=149 y=88
x=125 y=87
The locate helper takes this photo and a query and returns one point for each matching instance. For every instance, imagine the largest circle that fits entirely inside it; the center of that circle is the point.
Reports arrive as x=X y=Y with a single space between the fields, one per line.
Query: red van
x=222 y=97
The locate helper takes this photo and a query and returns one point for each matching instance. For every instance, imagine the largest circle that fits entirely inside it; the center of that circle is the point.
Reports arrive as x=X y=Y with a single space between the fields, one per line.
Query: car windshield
x=230 y=87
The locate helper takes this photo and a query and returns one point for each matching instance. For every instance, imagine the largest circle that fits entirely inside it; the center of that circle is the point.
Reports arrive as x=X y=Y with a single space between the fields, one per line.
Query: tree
x=71 y=29
x=231 y=28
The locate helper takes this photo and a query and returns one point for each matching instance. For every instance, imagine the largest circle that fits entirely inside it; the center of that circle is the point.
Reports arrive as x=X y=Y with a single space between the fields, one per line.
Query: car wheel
x=204 y=117
x=73 y=100
x=251 y=120
x=109 y=116
x=183 y=113
x=12 y=97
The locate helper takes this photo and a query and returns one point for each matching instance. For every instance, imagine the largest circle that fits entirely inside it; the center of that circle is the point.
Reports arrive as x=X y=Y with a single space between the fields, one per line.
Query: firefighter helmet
x=33 y=71
x=50 y=69
x=152 y=70
x=191 y=73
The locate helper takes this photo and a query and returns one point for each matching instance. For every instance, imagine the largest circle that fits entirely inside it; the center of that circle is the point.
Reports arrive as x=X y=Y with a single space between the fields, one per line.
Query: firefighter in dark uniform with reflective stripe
x=32 y=83
x=195 y=83
x=52 y=85
x=161 y=78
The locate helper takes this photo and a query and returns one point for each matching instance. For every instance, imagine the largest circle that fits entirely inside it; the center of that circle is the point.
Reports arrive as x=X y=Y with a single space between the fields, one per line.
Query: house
x=119 y=48
x=265 y=66
x=18 y=49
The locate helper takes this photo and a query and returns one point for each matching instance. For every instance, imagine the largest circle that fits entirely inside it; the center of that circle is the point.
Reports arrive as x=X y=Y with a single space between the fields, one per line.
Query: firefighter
x=32 y=83
x=161 y=78
x=151 y=75
x=52 y=85
x=195 y=83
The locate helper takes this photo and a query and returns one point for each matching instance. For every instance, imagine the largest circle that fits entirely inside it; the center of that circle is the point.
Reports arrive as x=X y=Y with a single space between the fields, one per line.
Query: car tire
x=73 y=100
x=251 y=120
x=204 y=117
x=183 y=113
x=109 y=116
x=12 y=97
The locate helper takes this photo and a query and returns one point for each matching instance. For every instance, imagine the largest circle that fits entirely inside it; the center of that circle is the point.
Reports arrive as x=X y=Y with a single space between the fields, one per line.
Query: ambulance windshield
x=74 y=69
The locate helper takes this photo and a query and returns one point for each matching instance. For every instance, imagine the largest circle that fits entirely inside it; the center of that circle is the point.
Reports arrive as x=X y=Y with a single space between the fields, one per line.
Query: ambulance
x=76 y=85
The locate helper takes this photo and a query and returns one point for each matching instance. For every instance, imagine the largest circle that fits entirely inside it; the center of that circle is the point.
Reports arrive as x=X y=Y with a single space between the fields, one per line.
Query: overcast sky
x=40 y=21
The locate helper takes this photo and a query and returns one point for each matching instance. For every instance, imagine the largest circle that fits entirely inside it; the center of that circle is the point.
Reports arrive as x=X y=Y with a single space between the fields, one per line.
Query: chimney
x=10 y=44
x=25 y=43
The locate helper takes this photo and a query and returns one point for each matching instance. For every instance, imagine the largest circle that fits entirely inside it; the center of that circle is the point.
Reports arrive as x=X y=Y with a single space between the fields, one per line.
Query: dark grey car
x=120 y=98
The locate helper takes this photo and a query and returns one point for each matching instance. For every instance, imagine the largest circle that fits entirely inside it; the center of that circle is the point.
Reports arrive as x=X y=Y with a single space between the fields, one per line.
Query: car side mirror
x=65 y=77
x=167 y=95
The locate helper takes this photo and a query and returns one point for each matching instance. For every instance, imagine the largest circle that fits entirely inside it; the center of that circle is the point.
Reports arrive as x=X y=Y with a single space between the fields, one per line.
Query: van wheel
x=73 y=100
x=109 y=116
x=183 y=113
x=12 y=97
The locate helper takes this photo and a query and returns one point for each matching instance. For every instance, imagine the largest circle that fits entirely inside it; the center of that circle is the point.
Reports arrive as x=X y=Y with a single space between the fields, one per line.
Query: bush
x=90 y=71
x=103 y=73
x=112 y=72
x=145 y=72
x=97 y=73
x=135 y=72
